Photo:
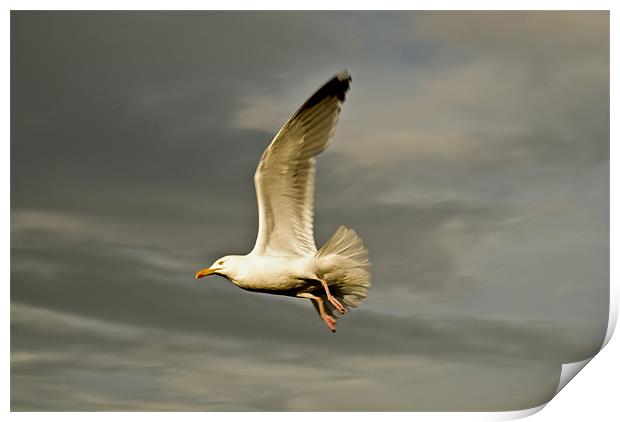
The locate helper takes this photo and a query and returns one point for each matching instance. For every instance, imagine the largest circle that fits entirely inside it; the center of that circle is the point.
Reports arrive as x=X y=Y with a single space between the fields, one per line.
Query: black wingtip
x=335 y=87
x=344 y=75
x=339 y=85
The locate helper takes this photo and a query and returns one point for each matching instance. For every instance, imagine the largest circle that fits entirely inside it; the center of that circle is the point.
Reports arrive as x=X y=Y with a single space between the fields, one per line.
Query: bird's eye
x=220 y=263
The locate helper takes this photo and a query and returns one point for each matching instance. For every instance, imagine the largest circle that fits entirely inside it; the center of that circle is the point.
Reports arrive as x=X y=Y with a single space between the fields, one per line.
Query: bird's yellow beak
x=205 y=272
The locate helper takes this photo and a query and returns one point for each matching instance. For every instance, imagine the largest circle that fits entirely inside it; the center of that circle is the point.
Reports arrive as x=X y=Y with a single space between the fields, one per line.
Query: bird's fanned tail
x=346 y=268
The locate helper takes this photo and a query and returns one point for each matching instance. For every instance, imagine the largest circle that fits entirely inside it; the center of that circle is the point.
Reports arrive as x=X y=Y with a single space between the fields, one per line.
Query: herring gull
x=285 y=260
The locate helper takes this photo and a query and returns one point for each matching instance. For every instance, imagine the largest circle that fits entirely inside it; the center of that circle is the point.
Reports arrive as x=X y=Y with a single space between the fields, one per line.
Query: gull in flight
x=285 y=260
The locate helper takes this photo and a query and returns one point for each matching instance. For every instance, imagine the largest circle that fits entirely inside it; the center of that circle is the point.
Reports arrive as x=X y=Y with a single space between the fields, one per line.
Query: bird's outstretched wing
x=284 y=178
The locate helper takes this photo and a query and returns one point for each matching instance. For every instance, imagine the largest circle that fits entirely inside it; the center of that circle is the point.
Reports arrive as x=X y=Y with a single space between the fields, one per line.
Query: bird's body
x=274 y=274
x=285 y=260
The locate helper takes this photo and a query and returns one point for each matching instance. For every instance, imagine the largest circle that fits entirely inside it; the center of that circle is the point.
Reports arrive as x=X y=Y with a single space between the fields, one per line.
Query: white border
x=589 y=396
x=312 y=4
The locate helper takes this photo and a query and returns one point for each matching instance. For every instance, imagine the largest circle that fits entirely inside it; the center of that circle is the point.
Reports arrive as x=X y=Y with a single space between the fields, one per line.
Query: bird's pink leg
x=328 y=319
x=339 y=307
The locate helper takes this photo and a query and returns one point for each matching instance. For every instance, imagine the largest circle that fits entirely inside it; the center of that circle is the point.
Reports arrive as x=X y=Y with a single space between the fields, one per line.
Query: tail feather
x=345 y=264
x=345 y=242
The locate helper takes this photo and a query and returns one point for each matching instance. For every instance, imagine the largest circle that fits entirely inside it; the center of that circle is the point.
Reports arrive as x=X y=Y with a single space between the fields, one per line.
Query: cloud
x=159 y=294
x=533 y=92
x=105 y=365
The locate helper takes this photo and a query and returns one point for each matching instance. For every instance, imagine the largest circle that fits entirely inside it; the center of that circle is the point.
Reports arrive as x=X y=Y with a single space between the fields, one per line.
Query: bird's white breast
x=262 y=272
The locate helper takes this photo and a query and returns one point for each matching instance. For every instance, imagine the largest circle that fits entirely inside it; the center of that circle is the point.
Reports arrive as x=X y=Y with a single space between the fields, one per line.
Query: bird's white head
x=227 y=266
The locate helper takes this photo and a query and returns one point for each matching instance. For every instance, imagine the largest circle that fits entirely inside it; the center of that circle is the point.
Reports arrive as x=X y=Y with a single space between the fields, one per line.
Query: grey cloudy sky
x=472 y=157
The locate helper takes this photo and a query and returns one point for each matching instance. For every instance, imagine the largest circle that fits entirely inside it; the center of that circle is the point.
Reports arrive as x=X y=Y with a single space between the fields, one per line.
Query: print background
x=472 y=157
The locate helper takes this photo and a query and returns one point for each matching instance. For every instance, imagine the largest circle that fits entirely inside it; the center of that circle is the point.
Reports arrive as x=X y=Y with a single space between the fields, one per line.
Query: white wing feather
x=284 y=178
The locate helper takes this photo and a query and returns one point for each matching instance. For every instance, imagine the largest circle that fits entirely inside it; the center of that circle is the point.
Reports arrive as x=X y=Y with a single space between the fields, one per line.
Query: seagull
x=285 y=260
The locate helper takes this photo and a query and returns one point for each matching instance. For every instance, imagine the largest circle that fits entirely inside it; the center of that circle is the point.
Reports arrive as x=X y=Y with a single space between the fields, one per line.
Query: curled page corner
x=613 y=316
x=569 y=370
x=519 y=414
